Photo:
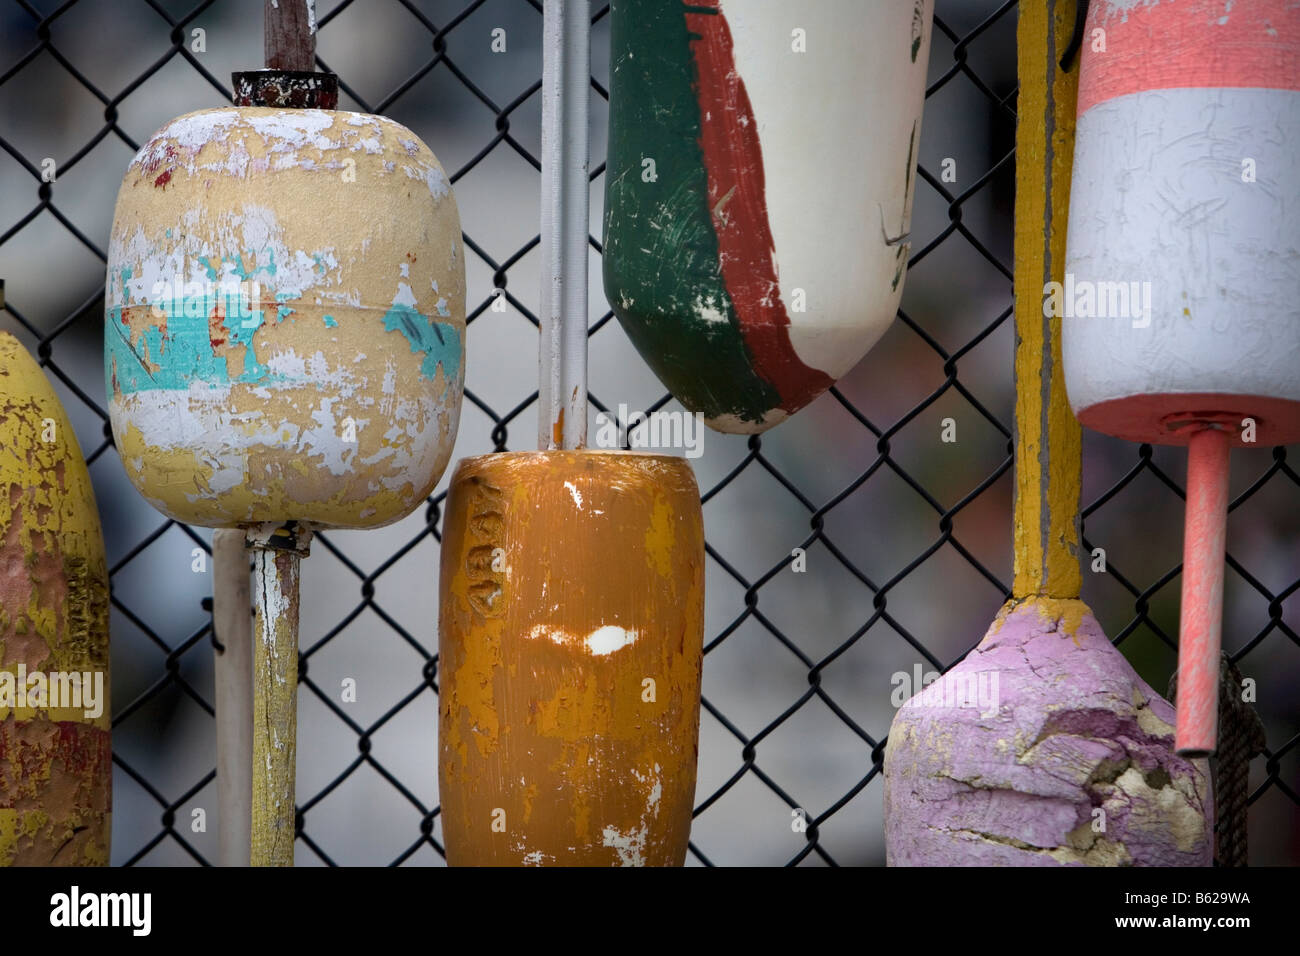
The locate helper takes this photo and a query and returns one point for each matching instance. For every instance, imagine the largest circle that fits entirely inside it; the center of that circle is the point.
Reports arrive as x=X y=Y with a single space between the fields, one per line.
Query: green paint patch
x=331 y=322
x=661 y=250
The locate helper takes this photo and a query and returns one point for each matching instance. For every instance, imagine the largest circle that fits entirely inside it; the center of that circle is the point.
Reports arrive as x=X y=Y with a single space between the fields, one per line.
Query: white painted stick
x=233 y=622
x=566 y=86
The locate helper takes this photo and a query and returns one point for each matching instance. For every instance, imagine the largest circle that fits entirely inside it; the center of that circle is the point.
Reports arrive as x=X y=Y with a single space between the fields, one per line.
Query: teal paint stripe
x=185 y=353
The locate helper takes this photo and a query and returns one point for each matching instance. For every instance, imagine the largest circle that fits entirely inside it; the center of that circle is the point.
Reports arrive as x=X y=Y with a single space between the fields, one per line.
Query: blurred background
x=860 y=479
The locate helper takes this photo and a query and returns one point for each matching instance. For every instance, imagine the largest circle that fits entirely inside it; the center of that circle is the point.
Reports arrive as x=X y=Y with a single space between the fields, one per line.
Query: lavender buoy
x=1043 y=747
x=283 y=351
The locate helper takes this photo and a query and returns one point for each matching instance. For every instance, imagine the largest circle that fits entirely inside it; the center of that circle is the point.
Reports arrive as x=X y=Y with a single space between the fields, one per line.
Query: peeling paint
x=544 y=667
x=256 y=358
x=55 y=763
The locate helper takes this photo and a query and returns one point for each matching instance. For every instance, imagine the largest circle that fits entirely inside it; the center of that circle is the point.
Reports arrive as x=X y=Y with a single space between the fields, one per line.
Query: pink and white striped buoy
x=1181 y=302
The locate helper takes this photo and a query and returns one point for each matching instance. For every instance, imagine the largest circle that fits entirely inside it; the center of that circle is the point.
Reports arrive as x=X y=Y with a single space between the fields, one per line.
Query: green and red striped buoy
x=762 y=163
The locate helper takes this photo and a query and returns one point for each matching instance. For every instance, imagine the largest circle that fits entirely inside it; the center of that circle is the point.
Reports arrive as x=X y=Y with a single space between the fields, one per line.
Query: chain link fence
x=847 y=551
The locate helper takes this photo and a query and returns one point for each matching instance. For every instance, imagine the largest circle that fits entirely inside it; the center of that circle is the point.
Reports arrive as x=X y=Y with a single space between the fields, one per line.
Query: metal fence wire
x=751 y=745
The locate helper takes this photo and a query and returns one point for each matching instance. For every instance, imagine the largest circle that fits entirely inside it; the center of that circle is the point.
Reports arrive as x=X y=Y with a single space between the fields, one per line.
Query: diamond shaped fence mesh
x=847 y=549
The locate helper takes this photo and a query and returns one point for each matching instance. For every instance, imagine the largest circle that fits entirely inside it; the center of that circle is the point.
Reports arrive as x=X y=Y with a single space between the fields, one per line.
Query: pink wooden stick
x=1201 y=624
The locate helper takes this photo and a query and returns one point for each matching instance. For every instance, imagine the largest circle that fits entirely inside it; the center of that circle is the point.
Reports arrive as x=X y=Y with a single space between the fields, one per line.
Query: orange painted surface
x=1200 y=43
x=571 y=633
x=1201 y=619
x=1152 y=417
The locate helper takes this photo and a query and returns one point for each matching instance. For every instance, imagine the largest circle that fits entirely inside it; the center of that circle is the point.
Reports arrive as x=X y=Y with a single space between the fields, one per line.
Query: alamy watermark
x=53 y=690
x=675 y=429
x=232 y=297
x=1087 y=299
x=957 y=689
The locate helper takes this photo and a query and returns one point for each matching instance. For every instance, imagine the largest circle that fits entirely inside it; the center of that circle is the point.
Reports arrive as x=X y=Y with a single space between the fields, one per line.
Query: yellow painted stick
x=1048 y=460
x=1013 y=757
x=277 y=556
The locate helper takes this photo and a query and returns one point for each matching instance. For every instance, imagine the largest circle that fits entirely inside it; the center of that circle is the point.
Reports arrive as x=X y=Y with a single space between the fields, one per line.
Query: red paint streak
x=153 y=159
x=216 y=330
x=82 y=747
x=1201 y=620
x=733 y=158
x=1183 y=45
x=163 y=179
x=29 y=751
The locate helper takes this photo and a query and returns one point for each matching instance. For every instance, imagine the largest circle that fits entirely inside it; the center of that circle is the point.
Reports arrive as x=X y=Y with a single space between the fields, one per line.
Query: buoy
x=571 y=623
x=284 y=351
x=285 y=319
x=758 y=198
x=1183 y=266
x=571 y=597
x=56 y=768
x=1043 y=747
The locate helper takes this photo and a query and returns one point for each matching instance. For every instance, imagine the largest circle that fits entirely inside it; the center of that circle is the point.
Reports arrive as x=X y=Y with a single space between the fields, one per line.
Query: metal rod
x=277 y=552
x=1200 y=624
x=231 y=600
x=566 y=81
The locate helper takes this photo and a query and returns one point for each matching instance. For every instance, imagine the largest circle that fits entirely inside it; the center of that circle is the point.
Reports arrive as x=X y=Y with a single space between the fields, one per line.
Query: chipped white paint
x=706 y=307
x=283 y=409
x=600 y=642
x=735 y=424
x=826 y=228
x=555 y=635
x=608 y=639
x=404 y=295
x=577 y=495
x=629 y=846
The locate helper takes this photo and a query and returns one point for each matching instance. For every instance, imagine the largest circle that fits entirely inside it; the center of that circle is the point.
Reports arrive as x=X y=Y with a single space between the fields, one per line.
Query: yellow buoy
x=55 y=761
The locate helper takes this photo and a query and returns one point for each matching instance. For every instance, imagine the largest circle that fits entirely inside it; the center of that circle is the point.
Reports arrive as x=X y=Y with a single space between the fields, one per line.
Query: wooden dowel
x=1048 y=459
x=290 y=36
x=1200 y=626
x=231 y=600
x=277 y=553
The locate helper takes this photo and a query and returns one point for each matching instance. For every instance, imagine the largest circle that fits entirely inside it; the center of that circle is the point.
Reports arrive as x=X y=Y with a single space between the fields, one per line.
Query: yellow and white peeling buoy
x=284 y=350
x=55 y=762
x=285 y=318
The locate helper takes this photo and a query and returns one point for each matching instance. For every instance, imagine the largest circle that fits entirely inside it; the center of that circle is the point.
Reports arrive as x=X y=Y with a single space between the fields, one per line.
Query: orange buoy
x=56 y=769
x=570 y=643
